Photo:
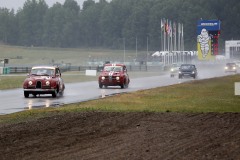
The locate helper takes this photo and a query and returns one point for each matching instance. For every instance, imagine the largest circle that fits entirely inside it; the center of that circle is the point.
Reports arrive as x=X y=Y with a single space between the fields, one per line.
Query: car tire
x=61 y=93
x=122 y=86
x=180 y=77
x=126 y=86
x=100 y=85
x=54 y=94
x=26 y=94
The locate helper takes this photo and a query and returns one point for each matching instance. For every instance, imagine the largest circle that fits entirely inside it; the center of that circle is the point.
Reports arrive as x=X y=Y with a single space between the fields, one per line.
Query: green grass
x=200 y=96
x=45 y=56
x=10 y=82
x=211 y=95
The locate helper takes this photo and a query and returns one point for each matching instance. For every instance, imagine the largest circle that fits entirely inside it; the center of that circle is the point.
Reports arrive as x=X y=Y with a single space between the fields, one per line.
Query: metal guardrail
x=84 y=68
x=20 y=69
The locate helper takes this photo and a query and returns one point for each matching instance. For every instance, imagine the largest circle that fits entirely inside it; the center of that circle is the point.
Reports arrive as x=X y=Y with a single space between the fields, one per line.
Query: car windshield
x=42 y=71
x=175 y=65
x=113 y=68
x=231 y=64
x=187 y=67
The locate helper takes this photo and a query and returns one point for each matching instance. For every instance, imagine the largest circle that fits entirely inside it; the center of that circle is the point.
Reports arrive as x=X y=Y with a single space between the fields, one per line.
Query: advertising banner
x=208 y=32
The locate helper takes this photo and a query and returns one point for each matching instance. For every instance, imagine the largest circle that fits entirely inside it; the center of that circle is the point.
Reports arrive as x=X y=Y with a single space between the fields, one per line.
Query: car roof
x=231 y=64
x=47 y=67
x=187 y=65
x=113 y=64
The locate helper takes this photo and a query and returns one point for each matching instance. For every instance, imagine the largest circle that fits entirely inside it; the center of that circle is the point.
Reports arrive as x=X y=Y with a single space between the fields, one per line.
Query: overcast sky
x=15 y=4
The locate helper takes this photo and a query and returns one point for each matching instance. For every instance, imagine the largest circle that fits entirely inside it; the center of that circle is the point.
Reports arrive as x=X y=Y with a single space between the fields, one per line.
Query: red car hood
x=39 y=78
x=112 y=73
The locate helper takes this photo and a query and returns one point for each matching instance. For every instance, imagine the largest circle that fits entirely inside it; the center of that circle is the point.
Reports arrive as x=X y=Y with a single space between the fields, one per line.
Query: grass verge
x=200 y=96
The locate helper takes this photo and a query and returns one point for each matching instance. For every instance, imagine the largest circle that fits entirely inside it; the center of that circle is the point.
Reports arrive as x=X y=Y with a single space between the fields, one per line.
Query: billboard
x=208 y=32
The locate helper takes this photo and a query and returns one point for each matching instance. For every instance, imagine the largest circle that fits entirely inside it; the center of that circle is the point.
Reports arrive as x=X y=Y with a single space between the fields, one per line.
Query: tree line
x=111 y=24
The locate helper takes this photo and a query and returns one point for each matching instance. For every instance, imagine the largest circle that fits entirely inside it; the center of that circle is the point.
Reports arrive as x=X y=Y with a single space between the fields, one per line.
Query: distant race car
x=43 y=80
x=187 y=70
x=114 y=75
x=174 y=69
x=231 y=67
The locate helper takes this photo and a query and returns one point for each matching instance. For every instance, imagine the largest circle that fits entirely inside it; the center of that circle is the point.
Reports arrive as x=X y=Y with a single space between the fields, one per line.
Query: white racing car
x=174 y=69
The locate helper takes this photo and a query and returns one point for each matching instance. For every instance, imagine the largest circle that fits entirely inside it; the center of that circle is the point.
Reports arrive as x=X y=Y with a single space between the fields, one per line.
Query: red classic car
x=114 y=75
x=43 y=80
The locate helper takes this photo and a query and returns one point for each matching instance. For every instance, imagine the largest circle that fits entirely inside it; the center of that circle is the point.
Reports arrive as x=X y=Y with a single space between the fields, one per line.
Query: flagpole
x=175 y=40
x=182 y=43
x=179 y=41
x=164 y=36
x=161 y=35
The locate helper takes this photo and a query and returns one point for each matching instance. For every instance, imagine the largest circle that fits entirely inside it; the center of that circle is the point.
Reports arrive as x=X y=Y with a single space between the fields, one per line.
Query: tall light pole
x=136 y=48
x=147 y=50
x=124 y=54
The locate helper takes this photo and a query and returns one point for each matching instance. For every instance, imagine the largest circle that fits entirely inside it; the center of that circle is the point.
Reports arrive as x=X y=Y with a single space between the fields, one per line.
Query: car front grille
x=39 y=84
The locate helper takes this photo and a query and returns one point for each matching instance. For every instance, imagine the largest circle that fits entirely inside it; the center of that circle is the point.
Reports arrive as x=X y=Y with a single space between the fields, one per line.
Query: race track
x=14 y=101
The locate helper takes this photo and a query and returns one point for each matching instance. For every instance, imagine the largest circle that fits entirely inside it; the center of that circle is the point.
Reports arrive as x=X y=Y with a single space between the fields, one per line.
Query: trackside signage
x=237 y=89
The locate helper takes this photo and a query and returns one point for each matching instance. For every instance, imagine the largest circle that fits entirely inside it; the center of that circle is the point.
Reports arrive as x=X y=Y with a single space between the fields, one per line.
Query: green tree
x=8 y=30
x=30 y=20
x=53 y=26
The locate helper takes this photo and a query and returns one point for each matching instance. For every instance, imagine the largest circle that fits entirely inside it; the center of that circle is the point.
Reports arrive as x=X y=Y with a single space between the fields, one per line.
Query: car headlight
x=172 y=70
x=179 y=72
x=117 y=78
x=103 y=78
x=30 y=82
x=47 y=83
x=193 y=72
x=234 y=67
x=226 y=67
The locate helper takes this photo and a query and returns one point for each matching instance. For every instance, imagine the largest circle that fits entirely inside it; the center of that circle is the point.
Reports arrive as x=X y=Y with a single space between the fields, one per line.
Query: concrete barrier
x=91 y=72
x=1 y=70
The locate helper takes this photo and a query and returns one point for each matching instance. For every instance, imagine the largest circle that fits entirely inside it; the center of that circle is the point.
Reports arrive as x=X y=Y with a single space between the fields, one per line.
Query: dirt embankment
x=103 y=135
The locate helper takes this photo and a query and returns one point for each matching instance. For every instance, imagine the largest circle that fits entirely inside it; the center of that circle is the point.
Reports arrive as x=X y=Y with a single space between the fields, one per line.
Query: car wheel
x=122 y=86
x=26 y=94
x=61 y=93
x=180 y=77
x=126 y=86
x=100 y=85
x=54 y=94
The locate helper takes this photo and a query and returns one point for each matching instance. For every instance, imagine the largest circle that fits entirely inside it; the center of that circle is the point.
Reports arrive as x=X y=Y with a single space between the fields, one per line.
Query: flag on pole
x=179 y=28
x=174 y=29
x=182 y=30
x=162 y=25
x=170 y=29
x=166 y=26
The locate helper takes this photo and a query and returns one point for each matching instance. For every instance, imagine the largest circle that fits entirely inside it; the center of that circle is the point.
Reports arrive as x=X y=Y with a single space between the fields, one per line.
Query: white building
x=232 y=49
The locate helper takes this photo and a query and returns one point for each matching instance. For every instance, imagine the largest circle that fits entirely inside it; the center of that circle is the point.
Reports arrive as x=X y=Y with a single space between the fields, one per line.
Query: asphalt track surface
x=14 y=101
